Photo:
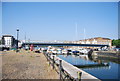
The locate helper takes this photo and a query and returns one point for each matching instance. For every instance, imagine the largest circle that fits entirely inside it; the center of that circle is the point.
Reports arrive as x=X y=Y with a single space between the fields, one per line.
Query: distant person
x=31 y=47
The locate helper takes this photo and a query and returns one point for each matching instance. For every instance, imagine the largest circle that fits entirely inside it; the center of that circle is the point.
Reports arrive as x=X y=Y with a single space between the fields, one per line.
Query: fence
x=58 y=66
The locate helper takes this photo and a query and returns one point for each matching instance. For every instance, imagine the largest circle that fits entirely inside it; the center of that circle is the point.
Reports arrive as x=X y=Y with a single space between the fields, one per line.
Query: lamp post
x=17 y=40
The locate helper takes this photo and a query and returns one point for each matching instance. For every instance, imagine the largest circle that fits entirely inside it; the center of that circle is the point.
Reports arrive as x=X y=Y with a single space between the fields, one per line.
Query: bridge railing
x=65 y=44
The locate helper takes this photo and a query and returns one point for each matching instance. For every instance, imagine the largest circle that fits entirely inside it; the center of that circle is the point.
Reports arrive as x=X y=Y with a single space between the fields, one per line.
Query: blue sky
x=56 y=20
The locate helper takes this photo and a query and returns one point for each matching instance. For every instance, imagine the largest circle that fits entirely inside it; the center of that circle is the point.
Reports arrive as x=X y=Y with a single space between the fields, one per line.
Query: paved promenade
x=26 y=65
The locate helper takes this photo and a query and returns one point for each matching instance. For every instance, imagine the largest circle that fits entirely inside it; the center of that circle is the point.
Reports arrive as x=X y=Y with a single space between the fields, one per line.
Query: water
x=94 y=66
x=76 y=60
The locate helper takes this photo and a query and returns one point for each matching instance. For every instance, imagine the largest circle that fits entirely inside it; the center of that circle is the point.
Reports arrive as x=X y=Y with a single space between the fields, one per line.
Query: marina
x=89 y=63
x=103 y=70
x=59 y=40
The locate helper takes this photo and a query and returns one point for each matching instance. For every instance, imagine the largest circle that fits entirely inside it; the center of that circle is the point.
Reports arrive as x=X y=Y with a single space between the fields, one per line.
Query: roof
x=100 y=38
x=7 y=36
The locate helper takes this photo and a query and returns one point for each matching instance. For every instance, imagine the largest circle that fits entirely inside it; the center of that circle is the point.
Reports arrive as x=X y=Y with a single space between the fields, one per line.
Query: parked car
x=36 y=50
x=117 y=49
x=3 y=48
x=26 y=47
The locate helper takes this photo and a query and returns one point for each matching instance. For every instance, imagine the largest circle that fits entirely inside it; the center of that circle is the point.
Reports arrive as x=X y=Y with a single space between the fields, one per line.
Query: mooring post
x=60 y=68
x=79 y=75
x=49 y=59
x=46 y=54
x=53 y=62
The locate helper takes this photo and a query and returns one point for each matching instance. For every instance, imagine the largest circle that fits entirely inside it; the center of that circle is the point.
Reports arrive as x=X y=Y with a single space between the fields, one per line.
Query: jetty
x=67 y=70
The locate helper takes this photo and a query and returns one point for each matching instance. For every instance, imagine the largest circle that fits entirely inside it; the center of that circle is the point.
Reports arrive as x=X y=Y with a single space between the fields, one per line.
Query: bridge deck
x=64 y=44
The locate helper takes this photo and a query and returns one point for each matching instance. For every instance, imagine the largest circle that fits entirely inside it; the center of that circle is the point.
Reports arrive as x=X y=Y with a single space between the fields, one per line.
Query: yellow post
x=79 y=74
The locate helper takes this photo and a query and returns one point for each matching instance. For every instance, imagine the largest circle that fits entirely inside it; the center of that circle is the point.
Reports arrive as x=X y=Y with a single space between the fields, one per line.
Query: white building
x=97 y=40
x=8 y=40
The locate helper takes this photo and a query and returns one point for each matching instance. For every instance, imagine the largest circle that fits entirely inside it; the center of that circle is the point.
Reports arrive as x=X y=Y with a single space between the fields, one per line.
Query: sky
x=57 y=20
x=60 y=0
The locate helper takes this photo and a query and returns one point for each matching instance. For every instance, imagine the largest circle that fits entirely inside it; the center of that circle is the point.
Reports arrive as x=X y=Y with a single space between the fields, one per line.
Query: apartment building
x=96 y=40
x=8 y=40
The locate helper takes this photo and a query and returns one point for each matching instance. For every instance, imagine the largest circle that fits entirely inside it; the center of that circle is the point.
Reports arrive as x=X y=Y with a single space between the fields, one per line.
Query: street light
x=17 y=40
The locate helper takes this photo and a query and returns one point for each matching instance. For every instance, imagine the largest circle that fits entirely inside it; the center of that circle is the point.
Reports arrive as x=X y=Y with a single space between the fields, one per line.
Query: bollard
x=53 y=62
x=47 y=56
x=49 y=59
x=79 y=75
x=60 y=68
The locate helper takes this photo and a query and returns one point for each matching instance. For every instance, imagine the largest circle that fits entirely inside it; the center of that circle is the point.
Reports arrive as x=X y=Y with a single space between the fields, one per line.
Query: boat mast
x=76 y=30
x=25 y=37
x=84 y=35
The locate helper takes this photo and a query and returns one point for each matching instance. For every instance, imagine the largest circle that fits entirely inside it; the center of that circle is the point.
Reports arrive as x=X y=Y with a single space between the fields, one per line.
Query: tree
x=116 y=43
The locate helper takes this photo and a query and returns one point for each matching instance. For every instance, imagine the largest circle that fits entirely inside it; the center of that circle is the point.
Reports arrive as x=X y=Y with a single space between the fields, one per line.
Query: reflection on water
x=101 y=68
